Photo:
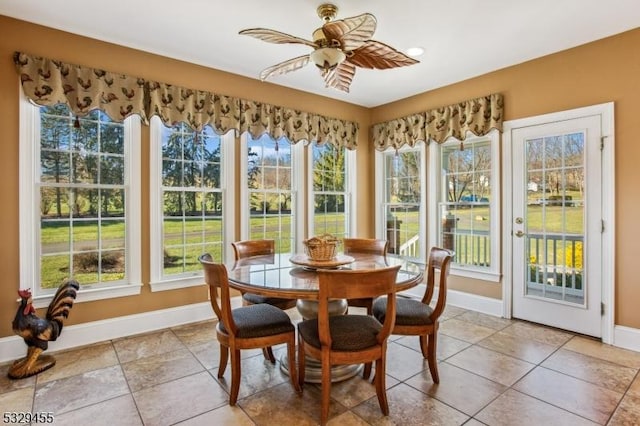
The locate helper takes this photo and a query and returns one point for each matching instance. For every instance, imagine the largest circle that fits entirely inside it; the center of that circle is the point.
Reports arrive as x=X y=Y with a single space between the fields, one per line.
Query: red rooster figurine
x=37 y=332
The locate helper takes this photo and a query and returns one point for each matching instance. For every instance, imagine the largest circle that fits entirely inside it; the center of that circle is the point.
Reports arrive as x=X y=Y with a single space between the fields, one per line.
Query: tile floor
x=492 y=371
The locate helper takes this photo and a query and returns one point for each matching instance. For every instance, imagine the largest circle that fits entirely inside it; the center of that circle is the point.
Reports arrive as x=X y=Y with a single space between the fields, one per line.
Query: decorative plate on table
x=306 y=262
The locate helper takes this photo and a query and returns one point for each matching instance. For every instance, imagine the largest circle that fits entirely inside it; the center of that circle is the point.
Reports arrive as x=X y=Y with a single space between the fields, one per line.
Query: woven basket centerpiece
x=321 y=248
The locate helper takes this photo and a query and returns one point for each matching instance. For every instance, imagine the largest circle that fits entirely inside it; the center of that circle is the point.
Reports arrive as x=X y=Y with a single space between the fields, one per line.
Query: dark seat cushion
x=255 y=299
x=408 y=311
x=259 y=321
x=348 y=332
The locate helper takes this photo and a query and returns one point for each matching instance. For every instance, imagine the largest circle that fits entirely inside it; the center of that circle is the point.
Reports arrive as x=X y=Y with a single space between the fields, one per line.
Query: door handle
x=519 y=234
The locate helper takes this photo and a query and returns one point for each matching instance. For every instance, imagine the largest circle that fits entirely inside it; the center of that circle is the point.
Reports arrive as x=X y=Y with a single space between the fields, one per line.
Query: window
x=330 y=210
x=467 y=203
x=270 y=199
x=403 y=200
x=187 y=202
x=79 y=204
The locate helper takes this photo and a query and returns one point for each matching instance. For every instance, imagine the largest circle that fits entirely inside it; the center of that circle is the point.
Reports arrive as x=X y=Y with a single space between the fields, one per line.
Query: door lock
x=519 y=220
x=519 y=234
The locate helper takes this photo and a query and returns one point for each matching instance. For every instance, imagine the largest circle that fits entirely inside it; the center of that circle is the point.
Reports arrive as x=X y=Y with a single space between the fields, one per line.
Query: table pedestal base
x=313 y=368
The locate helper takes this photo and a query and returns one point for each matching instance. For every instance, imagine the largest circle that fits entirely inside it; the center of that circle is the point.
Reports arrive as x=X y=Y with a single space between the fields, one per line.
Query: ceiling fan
x=339 y=46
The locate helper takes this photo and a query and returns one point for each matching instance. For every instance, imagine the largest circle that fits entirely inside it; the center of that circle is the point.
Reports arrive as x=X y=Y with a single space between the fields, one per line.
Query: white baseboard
x=473 y=302
x=72 y=336
x=626 y=337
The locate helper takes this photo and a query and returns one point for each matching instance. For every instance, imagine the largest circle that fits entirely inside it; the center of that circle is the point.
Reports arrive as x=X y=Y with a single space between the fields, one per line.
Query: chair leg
x=301 y=363
x=424 y=345
x=235 y=376
x=433 y=361
x=381 y=390
x=366 y=372
x=293 y=368
x=326 y=389
x=268 y=354
x=224 y=357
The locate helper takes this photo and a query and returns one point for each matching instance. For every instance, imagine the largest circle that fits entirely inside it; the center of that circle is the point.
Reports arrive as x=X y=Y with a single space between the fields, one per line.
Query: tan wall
x=599 y=72
x=21 y=36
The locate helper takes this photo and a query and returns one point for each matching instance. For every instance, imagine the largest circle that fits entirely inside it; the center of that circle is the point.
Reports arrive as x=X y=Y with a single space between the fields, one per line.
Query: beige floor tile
x=355 y=390
x=119 y=411
x=153 y=370
x=196 y=333
x=473 y=422
x=403 y=362
x=136 y=347
x=463 y=330
x=71 y=393
x=485 y=320
x=450 y=312
x=223 y=416
x=9 y=385
x=515 y=408
x=180 y=399
x=577 y=396
x=627 y=413
x=634 y=389
x=281 y=405
x=518 y=347
x=600 y=350
x=540 y=333
x=593 y=370
x=458 y=388
x=81 y=360
x=19 y=401
x=347 y=419
x=408 y=407
x=447 y=346
x=492 y=365
x=256 y=374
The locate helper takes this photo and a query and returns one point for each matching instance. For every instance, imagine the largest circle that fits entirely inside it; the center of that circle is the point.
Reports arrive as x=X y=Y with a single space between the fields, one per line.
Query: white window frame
x=158 y=281
x=380 y=191
x=29 y=205
x=349 y=191
x=491 y=273
x=297 y=186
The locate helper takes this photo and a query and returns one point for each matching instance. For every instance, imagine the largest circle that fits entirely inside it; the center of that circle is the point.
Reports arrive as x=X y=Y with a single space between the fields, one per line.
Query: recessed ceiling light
x=415 y=51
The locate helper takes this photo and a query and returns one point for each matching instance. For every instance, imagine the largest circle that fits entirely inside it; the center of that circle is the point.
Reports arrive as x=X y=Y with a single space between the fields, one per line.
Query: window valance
x=48 y=82
x=478 y=116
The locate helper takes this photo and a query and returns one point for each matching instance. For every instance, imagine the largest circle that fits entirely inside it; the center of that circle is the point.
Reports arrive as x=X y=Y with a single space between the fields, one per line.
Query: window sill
x=92 y=294
x=475 y=274
x=177 y=283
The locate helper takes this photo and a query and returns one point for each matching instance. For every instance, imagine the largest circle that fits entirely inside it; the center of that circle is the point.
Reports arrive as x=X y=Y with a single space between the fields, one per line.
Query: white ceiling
x=462 y=39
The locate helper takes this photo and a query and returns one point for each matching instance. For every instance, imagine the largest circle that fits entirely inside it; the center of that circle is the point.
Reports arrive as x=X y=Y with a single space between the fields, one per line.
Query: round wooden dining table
x=295 y=277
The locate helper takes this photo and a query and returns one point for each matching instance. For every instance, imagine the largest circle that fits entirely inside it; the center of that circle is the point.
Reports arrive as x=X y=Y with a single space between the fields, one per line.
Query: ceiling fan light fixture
x=415 y=51
x=327 y=58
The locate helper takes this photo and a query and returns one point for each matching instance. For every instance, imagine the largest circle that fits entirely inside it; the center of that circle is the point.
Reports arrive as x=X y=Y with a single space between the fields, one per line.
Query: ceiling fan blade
x=377 y=55
x=351 y=32
x=285 y=67
x=341 y=76
x=273 y=36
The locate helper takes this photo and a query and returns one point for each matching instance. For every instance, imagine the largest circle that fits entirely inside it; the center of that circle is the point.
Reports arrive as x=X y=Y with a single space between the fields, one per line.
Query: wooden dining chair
x=417 y=317
x=247 y=327
x=251 y=248
x=364 y=245
x=348 y=339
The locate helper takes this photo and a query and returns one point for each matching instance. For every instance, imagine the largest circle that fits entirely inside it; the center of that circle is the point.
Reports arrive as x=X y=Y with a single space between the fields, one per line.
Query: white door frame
x=605 y=111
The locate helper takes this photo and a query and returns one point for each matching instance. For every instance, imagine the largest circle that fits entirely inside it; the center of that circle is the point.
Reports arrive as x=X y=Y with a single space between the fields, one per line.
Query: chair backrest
x=365 y=245
x=439 y=261
x=215 y=275
x=250 y=248
x=350 y=284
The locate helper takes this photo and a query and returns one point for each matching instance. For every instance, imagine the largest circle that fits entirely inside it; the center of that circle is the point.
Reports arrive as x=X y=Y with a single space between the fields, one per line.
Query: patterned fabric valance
x=48 y=82
x=259 y=118
x=82 y=89
x=196 y=108
x=478 y=116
